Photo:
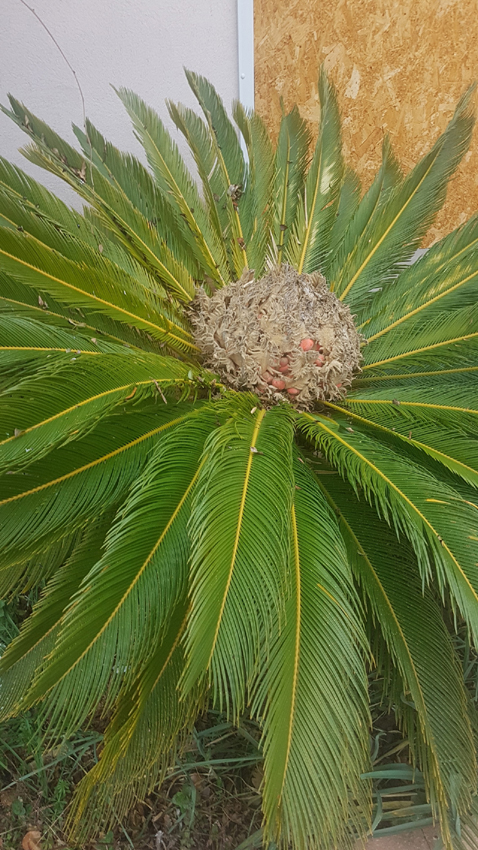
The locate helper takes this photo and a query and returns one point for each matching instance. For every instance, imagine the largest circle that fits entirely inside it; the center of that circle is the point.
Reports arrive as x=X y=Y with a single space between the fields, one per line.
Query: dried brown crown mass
x=283 y=336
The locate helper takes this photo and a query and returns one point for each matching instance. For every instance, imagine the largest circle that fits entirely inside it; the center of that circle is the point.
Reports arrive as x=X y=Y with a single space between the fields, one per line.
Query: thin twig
x=70 y=66
x=62 y=53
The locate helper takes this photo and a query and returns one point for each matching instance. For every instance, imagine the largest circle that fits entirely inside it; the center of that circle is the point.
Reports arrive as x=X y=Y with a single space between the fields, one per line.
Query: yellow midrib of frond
x=43 y=312
x=260 y=417
x=44 y=348
x=185 y=206
x=409 y=440
x=310 y=216
x=297 y=627
x=422 y=307
x=421 y=350
x=406 y=404
x=424 y=374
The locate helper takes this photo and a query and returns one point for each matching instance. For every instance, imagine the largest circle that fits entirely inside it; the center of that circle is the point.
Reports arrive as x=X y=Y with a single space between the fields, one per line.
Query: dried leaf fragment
x=31 y=840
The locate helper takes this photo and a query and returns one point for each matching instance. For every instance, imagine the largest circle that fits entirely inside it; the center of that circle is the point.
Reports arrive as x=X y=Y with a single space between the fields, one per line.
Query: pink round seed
x=320 y=360
x=284 y=361
x=284 y=370
x=267 y=377
x=293 y=391
x=278 y=384
x=307 y=344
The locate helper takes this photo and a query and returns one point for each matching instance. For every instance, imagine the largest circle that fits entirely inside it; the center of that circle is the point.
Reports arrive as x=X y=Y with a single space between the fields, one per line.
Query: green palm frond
x=145 y=556
x=259 y=181
x=27 y=654
x=387 y=571
x=396 y=228
x=438 y=522
x=444 y=431
x=229 y=171
x=116 y=211
x=70 y=395
x=45 y=138
x=23 y=573
x=246 y=476
x=364 y=210
x=308 y=244
x=24 y=301
x=32 y=344
x=415 y=346
x=96 y=284
x=60 y=492
x=173 y=177
x=195 y=544
x=21 y=194
x=416 y=283
x=444 y=279
x=199 y=139
x=290 y=166
x=151 y=722
x=349 y=199
x=311 y=694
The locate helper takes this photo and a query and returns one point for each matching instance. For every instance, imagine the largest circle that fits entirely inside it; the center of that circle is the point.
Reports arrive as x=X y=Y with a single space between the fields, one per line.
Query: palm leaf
x=447 y=336
x=142 y=740
x=249 y=456
x=27 y=653
x=290 y=165
x=349 y=199
x=145 y=556
x=388 y=178
x=312 y=694
x=105 y=287
x=200 y=142
x=54 y=147
x=27 y=345
x=173 y=177
x=114 y=207
x=59 y=493
x=392 y=235
x=388 y=573
x=259 y=182
x=230 y=172
x=309 y=242
x=25 y=301
x=28 y=573
x=37 y=205
x=444 y=432
x=443 y=279
x=72 y=393
x=431 y=513
x=128 y=204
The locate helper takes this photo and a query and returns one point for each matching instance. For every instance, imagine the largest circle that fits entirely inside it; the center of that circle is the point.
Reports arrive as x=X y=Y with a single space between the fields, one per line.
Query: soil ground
x=417 y=839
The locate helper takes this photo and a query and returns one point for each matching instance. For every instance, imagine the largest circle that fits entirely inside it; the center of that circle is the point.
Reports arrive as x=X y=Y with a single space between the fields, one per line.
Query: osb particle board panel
x=399 y=65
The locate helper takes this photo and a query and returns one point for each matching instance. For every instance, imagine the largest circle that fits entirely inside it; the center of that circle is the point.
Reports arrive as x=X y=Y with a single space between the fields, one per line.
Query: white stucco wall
x=140 y=44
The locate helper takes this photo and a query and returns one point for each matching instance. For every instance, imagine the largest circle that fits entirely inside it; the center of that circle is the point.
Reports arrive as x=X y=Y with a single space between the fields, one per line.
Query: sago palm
x=239 y=455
